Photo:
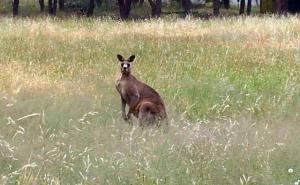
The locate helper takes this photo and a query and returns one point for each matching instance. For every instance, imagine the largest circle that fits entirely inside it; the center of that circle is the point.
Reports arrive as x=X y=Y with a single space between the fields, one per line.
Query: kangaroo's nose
x=125 y=67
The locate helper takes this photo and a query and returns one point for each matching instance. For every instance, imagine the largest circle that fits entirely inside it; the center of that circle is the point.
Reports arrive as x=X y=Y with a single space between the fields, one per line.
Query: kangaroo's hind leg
x=146 y=115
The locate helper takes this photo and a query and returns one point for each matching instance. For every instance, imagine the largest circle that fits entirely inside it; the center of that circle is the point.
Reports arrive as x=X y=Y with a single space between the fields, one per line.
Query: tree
x=42 y=5
x=216 y=7
x=186 y=4
x=54 y=6
x=50 y=7
x=266 y=6
x=242 y=7
x=134 y=2
x=98 y=3
x=249 y=6
x=227 y=4
x=61 y=4
x=124 y=8
x=91 y=8
x=281 y=6
x=141 y=3
x=15 y=7
x=155 y=8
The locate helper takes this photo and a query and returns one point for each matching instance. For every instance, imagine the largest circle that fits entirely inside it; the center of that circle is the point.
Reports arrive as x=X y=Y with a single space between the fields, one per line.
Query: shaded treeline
x=88 y=9
x=124 y=6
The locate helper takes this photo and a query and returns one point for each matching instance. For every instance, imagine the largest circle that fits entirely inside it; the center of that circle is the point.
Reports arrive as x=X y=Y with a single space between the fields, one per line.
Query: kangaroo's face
x=125 y=64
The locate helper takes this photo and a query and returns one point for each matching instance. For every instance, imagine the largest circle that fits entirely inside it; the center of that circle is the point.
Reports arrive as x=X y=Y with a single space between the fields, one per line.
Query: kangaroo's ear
x=121 y=59
x=131 y=58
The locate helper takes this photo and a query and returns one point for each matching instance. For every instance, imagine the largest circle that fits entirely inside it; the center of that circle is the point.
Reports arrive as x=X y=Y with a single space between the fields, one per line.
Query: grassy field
x=231 y=87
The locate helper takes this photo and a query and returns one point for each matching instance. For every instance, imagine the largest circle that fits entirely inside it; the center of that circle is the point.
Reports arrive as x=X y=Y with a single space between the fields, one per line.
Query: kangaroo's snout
x=125 y=67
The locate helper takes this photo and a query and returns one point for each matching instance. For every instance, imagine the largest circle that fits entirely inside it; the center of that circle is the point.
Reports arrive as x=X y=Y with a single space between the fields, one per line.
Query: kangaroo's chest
x=127 y=91
x=122 y=88
x=118 y=85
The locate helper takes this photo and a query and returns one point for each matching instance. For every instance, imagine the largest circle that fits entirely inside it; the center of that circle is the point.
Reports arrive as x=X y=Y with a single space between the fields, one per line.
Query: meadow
x=231 y=88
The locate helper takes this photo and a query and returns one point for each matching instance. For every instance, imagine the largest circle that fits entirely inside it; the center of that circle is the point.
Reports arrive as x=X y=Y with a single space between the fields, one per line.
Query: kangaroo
x=143 y=101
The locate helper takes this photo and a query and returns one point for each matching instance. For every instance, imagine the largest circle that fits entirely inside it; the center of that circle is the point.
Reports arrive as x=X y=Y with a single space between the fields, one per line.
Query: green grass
x=231 y=88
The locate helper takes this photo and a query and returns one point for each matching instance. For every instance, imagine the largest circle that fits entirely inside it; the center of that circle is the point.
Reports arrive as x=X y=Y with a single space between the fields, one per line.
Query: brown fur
x=143 y=101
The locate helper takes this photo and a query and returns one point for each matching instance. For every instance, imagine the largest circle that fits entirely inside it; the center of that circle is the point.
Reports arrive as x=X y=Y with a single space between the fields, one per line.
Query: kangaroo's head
x=125 y=64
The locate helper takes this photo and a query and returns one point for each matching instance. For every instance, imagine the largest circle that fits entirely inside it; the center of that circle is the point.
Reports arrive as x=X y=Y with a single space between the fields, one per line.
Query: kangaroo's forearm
x=123 y=105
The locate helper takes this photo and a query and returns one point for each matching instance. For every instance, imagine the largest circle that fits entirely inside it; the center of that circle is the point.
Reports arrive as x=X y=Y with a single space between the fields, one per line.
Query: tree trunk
x=134 y=2
x=281 y=6
x=127 y=7
x=91 y=8
x=124 y=8
x=285 y=6
x=278 y=4
x=54 y=6
x=155 y=8
x=108 y=3
x=42 y=5
x=98 y=3
x=61 y=4
x=242 y=7
x=216 y=7
x=50 y=7
x=15 y=7
x=249 y=7
x=141 y=3
x=121 y=9
x=227 y=4
x=186 y=4
x=266 y=6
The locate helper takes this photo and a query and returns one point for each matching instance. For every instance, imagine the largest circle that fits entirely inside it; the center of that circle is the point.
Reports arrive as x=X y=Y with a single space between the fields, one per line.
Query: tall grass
x=231 y=87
